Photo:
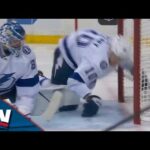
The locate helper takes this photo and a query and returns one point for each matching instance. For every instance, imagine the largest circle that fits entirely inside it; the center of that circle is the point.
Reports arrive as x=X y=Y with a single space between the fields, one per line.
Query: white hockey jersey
x=19 y=71
x=86 y=52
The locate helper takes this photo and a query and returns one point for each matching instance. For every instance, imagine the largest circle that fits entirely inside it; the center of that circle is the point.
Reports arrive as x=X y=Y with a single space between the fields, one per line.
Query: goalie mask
x=12 y=37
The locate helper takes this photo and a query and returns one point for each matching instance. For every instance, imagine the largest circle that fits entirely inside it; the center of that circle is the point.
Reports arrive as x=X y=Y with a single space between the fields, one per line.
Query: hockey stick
x=51 y=109
x=44 y=97
x=54 y=103
x=53 y=106
x=51 y=87
x=129 y=118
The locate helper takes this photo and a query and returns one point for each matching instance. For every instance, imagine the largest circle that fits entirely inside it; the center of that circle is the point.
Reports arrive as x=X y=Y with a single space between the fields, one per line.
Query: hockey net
x=136 y=91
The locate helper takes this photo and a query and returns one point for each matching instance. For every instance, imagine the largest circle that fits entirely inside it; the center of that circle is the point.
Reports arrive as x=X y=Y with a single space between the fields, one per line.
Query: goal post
x=120 y=71
x=137 y=31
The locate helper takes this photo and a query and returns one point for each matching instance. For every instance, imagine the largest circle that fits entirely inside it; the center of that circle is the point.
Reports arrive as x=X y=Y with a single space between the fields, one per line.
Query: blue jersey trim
x=68 y=52
x=41 y=81
x=77 y=77
x=28 y=82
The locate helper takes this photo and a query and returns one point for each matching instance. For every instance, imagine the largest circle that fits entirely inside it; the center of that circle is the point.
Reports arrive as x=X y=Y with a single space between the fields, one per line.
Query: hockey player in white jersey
x=85 y=56
x=19 y=81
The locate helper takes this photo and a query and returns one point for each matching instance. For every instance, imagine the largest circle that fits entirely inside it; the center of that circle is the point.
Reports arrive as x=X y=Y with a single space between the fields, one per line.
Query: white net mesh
x=145 y=65
x=128 y=33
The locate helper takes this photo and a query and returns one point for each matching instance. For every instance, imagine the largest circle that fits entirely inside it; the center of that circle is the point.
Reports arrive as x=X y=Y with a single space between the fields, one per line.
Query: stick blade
x=53 y=106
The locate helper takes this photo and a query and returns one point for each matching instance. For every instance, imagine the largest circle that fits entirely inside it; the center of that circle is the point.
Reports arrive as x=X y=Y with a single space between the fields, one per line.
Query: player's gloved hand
x=43 y=81
x=91 y=106
x=40 y=73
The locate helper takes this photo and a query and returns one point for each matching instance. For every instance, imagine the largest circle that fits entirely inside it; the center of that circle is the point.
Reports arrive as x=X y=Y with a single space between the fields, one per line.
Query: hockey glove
x=91 y=106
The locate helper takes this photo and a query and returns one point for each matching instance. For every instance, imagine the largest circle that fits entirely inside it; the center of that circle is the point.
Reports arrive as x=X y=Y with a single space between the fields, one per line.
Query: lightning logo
x=5 y=78
x=58 y=64
x=6 y=82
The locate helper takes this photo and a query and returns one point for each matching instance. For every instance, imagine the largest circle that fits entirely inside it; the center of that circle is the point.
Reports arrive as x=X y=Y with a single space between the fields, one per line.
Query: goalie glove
x=91 y=106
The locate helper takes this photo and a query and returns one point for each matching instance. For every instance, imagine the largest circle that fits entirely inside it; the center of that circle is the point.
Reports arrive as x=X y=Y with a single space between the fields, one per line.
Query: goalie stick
x=50 y=111
x=51 y=87
x=52 y=106
x=44 y=97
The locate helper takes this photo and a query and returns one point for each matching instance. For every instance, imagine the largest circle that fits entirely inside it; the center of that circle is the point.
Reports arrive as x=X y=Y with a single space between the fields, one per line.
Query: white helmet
x=120 y=47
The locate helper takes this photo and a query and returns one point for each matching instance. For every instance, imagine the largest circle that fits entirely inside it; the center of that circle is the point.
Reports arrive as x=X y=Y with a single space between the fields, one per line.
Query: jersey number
x=84 y=40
